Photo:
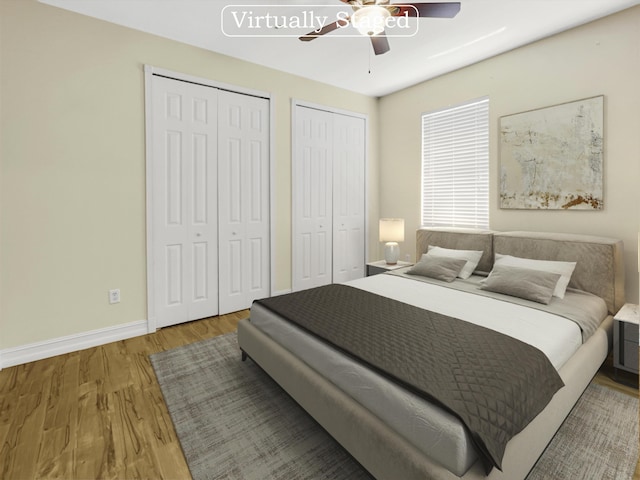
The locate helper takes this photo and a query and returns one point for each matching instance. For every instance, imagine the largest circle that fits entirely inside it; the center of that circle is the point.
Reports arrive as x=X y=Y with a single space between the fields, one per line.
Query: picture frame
x=553 y=158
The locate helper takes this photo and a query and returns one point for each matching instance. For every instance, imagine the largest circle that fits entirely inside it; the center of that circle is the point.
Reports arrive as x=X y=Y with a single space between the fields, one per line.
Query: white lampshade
x=392 y=229
x=370 y=19
x=392 y=232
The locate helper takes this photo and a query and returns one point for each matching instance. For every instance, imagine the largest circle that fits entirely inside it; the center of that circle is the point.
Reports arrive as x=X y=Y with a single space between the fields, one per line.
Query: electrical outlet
x=114 y=295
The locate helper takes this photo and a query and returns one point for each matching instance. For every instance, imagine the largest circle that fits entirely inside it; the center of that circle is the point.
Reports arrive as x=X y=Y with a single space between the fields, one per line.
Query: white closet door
x=243 y=193
x=312 y=198
x=184 y=220
x=348 y=198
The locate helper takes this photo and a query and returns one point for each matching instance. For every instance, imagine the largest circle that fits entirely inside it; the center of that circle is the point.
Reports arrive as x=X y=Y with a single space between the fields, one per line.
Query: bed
x=374 y=418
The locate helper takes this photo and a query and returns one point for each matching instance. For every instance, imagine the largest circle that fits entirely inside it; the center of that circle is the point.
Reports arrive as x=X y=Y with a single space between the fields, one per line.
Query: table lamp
x=391 y=232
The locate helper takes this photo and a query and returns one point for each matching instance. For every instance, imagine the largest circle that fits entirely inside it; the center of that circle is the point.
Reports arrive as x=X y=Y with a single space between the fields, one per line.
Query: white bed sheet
x=433 y=430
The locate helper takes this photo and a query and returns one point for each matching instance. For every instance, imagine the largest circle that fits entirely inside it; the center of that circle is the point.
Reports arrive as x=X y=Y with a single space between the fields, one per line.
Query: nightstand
x=625 y=338
x=374 y=268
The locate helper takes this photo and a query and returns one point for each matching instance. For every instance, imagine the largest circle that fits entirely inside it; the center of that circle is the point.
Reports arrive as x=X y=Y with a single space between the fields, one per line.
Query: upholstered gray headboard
x=599 y=260
x=599 y=263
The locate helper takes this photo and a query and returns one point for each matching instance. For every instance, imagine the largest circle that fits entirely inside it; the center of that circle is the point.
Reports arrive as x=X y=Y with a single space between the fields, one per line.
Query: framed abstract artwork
x=552 y=158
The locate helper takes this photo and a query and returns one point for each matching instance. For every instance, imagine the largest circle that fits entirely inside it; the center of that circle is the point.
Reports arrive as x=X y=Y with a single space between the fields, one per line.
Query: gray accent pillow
x=471 y=256
x=441 y=268
x=565 y=269
x=535 y=285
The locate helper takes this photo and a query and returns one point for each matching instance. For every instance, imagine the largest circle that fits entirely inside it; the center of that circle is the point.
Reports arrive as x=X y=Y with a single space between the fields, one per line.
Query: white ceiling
x=482 y=29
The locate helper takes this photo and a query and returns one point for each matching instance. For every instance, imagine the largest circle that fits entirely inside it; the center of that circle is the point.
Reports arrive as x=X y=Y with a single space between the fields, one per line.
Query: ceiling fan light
x=370 y=20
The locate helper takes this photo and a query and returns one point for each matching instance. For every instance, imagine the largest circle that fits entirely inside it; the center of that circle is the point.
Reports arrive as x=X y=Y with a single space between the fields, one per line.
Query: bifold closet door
x=184 y=182
x=328 y=189
x=348 y=198
x=312 y=185
x=243 y=200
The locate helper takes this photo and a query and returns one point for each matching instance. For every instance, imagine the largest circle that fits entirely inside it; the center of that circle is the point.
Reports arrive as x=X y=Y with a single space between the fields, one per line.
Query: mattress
x=433 y=430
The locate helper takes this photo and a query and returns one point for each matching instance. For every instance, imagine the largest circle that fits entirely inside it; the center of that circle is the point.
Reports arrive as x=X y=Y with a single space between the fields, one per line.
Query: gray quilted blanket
x=494 y=383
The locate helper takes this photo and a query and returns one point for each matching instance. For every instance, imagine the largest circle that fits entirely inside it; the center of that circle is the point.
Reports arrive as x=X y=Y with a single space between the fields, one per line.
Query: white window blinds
x=455 y=166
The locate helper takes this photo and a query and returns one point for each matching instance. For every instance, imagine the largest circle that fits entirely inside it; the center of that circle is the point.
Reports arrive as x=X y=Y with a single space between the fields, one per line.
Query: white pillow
x=471 y=256
x=565 y=269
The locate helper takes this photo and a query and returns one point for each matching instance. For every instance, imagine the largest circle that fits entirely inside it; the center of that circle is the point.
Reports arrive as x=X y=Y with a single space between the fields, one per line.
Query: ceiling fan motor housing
x=370 y=20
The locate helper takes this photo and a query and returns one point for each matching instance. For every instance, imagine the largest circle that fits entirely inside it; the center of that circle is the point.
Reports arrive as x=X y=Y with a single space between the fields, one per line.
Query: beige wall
x=72 y=169
x=601 y=58
x=73 y=165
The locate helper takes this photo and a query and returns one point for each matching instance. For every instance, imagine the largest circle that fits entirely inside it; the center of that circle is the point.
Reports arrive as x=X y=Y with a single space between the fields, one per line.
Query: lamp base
x=391 y=253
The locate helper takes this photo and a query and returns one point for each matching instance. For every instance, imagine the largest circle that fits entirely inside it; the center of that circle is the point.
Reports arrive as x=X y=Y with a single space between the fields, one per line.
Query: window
x=455 y=166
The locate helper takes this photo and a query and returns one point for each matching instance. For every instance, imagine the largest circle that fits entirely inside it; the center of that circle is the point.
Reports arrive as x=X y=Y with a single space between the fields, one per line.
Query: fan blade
x=437 y=10
x=380 y=43
x=325 y=29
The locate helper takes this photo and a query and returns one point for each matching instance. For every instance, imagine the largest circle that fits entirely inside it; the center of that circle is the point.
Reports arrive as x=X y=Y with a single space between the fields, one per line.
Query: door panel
x=185 y=221
x=349 y=199
x=173 y=281
x=173 y=179
x=312 y=198
x=243 y=169
x=200 y=274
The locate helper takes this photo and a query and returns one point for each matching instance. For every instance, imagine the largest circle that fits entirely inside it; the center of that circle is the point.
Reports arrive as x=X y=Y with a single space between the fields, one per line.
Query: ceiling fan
x=371 y=16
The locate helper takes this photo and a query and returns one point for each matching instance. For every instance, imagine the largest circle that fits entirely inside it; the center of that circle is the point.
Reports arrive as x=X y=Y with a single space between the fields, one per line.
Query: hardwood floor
x=99 y=413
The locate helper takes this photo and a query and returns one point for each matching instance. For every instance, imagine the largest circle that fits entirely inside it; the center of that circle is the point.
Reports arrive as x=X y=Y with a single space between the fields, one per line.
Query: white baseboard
x=280 y=292
x=71 y=343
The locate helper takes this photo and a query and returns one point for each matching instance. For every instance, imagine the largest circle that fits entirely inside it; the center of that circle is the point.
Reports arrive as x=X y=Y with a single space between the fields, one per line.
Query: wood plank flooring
x=99 y=413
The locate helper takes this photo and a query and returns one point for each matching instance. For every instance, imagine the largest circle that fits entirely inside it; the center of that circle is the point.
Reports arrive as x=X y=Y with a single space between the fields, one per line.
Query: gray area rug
x=234 y=422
